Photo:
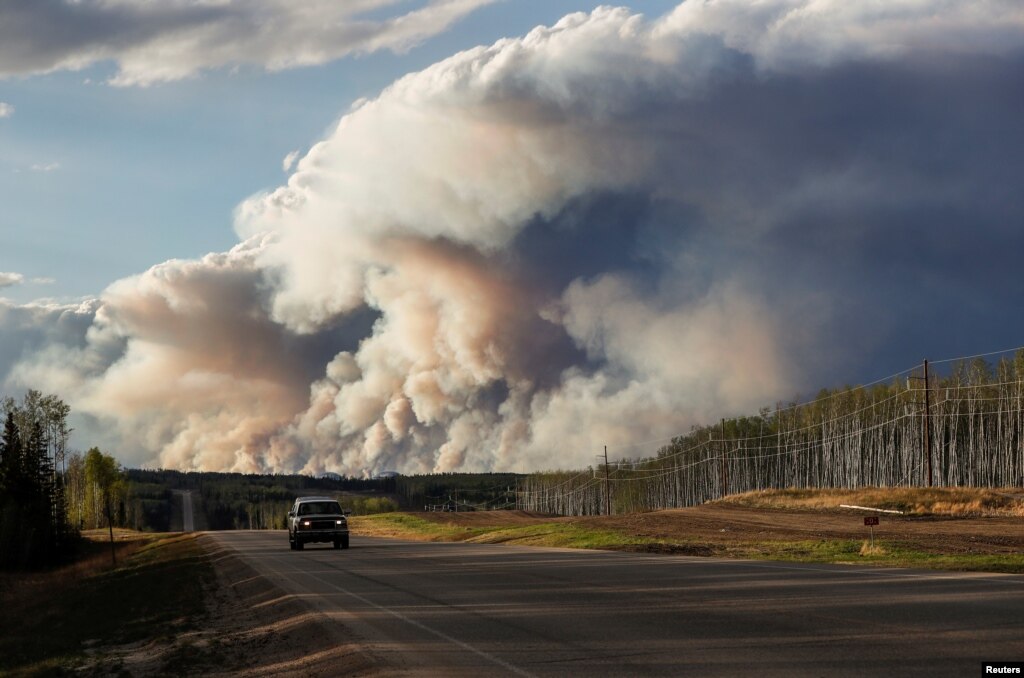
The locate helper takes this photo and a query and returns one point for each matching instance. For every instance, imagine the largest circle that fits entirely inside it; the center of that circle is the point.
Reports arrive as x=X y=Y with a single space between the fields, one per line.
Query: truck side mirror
x=291 y=514
x=346 y=512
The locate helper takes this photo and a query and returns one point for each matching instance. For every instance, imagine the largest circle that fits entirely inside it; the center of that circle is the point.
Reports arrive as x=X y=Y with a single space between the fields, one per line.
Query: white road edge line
x=440 y=634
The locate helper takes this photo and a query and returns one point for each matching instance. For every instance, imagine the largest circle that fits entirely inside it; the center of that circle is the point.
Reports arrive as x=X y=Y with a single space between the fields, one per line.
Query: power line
x=837 y=394
x=979 y=355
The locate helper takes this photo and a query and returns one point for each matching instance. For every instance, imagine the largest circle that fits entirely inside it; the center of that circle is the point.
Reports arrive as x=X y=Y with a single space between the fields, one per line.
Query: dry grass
x=869 y=549
x=93 y=559
x=959 y=502
x=64 y=618
x=120 y=534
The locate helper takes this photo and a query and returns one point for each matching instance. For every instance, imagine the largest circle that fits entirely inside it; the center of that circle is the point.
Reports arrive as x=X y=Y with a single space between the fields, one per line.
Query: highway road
x=467 y=609
x=187 y=520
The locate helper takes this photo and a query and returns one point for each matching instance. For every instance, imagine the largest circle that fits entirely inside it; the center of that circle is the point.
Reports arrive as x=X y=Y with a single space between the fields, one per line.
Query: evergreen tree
x=10 y=459
x=11 y=494
x=33 y=512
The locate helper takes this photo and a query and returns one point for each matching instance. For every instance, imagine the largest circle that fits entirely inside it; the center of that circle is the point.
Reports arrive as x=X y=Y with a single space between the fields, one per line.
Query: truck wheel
x=299 y=545
x=337 y=544
x=344 y=542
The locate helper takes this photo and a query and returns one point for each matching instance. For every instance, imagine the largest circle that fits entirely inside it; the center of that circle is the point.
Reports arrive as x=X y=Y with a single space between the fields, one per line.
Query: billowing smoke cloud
x=165 y=41
x=600 y=233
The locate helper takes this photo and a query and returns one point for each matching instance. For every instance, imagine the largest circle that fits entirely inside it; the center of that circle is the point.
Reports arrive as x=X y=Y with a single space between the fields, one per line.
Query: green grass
x=568 y=534
x=408 y=526
x=51 y=619
x=902 y=555
x=556 y=534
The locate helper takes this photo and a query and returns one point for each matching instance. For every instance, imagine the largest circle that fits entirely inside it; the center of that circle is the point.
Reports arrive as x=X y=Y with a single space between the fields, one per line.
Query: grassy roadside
x=584 y=534
x=957 y=502
x=885 y=553
x=69 y=618
x=554 y=534
x=561 y=534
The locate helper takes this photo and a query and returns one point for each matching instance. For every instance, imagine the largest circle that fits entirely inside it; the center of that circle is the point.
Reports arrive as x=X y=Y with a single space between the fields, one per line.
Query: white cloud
x=43 y=281
x=289 y=161
x=45 y=167
x=6 y=110
x=10 y=279
x=160 y=42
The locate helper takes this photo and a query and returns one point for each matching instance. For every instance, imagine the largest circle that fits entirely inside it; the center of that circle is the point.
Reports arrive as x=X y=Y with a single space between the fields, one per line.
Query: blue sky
x=604 y=230
x=102 y=182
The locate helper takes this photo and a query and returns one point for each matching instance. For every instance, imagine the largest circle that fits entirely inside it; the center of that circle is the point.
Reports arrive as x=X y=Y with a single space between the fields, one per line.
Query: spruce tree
x=41 y=518
x=11 y=493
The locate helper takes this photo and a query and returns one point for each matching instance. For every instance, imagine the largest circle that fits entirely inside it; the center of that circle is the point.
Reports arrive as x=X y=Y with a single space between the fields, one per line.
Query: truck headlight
x=339 y=522
x=305 y=523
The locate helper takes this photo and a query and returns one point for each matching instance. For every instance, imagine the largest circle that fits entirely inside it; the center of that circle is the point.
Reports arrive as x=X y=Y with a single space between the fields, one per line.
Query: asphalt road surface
x=476 y=610
x=187 y=521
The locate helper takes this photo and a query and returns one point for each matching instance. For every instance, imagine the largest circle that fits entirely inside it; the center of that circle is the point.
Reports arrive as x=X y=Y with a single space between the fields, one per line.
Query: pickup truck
x=317 y=519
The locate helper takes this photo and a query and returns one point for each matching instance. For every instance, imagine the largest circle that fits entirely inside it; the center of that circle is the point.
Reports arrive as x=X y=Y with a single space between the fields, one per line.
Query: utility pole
x=725 y=469
x=607 y=484
x=927 y=422
x=926 y=415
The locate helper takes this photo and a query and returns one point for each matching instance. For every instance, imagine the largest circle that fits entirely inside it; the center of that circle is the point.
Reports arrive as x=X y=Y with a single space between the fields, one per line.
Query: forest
x=961 y=427
x=48 y=494
x=229 y=501
x=236 y=501
x=34 y=526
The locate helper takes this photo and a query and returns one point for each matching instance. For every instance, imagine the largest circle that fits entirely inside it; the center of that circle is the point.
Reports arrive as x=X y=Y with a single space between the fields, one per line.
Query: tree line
x=237 y=501
x=45 y=493
x=467 y=491
x=962 y=428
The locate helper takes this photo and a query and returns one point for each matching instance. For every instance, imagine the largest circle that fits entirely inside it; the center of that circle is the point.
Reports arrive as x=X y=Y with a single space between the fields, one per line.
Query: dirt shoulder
x=253 y=628
x=173 y=605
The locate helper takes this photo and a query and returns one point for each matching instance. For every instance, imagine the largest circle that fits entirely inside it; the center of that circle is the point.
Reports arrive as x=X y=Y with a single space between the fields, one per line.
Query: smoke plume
x=600 y=233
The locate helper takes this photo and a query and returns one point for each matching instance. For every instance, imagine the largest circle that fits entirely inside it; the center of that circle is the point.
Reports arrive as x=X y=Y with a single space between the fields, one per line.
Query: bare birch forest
x=971 y=417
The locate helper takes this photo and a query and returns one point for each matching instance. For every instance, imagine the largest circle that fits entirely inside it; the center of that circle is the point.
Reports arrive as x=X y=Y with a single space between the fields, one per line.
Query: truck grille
x=322 y=525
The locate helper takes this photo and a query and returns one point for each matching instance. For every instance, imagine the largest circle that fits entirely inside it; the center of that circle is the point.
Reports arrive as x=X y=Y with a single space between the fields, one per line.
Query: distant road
x=470 y=609
x=188 y=524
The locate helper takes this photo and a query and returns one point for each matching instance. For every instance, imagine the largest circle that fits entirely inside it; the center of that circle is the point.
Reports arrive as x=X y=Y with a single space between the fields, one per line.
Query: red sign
x=871 y=520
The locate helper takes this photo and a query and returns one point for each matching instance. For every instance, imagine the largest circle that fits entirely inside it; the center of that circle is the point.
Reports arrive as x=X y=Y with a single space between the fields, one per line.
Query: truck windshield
x=319 y=508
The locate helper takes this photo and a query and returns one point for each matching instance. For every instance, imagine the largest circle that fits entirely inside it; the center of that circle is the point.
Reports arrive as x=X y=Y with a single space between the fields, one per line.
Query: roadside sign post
x=871 y=521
